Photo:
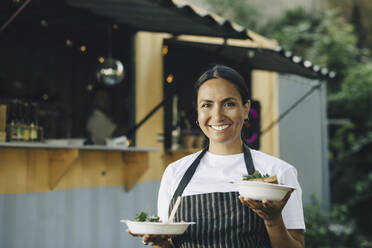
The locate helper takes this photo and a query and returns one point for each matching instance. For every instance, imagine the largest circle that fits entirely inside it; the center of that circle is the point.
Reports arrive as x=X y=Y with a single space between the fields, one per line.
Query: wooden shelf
x=34 y=169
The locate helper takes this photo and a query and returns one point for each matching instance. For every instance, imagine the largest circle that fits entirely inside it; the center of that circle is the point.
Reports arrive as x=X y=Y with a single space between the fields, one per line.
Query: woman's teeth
x=220 y=127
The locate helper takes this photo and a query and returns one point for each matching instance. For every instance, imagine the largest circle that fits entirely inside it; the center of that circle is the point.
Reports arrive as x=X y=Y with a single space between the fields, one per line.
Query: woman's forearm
x=280 y=236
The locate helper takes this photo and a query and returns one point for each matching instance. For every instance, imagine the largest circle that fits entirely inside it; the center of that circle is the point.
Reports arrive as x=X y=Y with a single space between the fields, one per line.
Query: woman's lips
x=219 y=127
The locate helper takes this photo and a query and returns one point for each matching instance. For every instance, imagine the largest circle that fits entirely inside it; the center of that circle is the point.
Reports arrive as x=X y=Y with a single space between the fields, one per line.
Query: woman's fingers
x=154 y=239
x=134 y=235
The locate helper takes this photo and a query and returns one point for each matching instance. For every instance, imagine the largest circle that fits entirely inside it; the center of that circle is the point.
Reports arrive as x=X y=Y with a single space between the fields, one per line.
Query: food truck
x=59 y=190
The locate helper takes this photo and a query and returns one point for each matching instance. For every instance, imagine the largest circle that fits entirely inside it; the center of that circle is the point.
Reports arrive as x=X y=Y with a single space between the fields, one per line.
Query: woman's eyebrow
x=205 y=100
x=229 y=99
x=223 y=100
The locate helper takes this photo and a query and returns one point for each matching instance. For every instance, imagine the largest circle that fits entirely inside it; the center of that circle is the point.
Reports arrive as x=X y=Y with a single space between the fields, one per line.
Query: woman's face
x=221 y=113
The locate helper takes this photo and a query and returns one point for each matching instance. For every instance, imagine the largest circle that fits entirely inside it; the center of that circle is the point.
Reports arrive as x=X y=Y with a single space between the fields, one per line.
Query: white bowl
x=262 y=191
x=76 y=141
x=57 y=142
x=157 y=228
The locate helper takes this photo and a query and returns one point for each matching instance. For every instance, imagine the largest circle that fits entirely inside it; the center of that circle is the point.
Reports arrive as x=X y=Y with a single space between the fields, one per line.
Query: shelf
x=40 y=167
x=83 y=147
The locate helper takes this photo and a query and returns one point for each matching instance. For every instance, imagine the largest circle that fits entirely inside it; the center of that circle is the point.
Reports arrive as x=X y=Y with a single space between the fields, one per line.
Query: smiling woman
x=221 y=114
x=222 y=217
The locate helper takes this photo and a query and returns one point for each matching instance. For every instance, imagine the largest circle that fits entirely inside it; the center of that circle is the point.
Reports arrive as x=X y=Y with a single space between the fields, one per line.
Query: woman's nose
x=217 y=114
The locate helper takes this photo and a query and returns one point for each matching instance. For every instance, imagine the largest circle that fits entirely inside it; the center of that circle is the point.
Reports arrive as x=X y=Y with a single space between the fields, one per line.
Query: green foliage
x=354 y=100
x=331 y=230
x=239 y=11
x=328 y=41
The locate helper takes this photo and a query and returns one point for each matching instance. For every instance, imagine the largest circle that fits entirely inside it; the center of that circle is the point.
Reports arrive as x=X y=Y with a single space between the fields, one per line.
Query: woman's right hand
x=158 y=241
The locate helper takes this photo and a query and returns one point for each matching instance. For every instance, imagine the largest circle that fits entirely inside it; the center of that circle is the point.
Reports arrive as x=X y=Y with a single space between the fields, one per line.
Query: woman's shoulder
x=181 y=164
x=269 y=160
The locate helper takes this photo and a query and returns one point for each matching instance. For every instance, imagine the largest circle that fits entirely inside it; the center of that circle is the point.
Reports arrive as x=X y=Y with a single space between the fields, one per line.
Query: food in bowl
x=261 y=187
x=256 y=176
x=143 y=216
x=145 y=224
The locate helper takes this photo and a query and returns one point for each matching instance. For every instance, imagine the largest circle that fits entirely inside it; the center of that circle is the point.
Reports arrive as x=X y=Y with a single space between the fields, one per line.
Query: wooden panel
x=115 y=170
x=13 y=170
x=135 y=166
x=37 y=170
x=32 y=170
x=60 y=161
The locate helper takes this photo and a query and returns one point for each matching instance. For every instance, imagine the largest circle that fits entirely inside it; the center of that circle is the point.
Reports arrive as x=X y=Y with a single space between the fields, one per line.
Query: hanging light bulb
x=110 y=71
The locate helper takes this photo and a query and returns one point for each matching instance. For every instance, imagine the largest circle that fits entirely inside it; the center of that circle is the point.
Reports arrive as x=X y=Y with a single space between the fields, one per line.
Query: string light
x=165 y=50
x=83 y=48
x=43 y=23
x=101 y=59
x=307 y=63
x=115 y=26
x=170 y=78
x=69 y=42
x=89 y=87
x=251 y=54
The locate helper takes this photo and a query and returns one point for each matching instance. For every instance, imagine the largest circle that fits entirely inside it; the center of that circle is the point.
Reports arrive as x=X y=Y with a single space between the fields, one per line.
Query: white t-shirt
x=100 y=127
x=215 y=172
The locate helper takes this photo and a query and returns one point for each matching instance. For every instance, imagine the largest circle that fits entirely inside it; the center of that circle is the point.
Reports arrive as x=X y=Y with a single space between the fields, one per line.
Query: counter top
x=80 y=147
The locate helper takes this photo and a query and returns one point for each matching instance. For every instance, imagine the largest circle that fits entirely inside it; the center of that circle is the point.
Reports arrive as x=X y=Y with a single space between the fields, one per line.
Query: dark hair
x=227 y=73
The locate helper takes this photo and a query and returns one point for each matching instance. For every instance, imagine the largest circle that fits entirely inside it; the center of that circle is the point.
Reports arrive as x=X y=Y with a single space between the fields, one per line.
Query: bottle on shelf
x=26 y=122
x=34 y=132
x=19 y=123
x=13 y=122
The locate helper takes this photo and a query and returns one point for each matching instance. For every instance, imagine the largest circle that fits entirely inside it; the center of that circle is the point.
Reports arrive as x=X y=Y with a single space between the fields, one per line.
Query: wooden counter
x=28 y=167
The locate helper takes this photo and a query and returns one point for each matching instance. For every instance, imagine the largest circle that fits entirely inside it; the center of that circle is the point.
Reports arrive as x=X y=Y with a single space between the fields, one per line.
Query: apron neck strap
x=248 y=159
x=188 y=175
x=191 y=170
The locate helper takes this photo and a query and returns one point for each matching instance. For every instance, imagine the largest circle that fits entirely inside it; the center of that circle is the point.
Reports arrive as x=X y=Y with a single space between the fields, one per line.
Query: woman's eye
x=230 y=104
x=205 y=105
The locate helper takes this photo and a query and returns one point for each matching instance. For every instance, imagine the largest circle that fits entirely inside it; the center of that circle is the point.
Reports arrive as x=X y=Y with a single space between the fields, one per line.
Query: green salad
x=143 y=216
x=255 y=175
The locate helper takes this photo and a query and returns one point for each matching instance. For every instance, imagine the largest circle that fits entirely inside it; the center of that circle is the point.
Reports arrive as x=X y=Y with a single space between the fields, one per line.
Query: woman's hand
x=267 y=210
x=158 y=241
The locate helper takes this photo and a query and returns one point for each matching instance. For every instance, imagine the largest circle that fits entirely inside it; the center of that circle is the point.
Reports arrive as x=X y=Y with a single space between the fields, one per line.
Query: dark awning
x=74 y=17
x=276 y=60
x=168 y=16
x=177 y=17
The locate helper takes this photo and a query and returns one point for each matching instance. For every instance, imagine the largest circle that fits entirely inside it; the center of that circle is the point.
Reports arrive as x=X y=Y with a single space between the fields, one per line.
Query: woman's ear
x=247 y=107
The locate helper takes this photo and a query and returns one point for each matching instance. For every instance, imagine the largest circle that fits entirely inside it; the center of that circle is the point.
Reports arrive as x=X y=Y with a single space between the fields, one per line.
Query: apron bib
x=221 y=219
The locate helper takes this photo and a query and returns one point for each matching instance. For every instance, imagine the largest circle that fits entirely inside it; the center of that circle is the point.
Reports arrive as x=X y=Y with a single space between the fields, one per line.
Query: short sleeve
x=292 y=213
x=164 y=196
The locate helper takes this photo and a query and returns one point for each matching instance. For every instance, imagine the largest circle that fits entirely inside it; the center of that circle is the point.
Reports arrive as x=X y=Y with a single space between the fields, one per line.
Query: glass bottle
x=33 y=125
x=26 y=122
x=19 y=124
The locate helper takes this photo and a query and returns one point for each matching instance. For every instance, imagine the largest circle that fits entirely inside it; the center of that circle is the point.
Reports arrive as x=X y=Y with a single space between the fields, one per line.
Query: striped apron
x=221 y=219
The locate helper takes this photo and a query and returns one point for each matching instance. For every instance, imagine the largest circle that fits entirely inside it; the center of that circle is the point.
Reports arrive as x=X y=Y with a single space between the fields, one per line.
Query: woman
x=223 y=219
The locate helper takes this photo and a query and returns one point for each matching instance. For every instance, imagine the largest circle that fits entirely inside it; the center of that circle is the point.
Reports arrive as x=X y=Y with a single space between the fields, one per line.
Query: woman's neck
x=226 y=149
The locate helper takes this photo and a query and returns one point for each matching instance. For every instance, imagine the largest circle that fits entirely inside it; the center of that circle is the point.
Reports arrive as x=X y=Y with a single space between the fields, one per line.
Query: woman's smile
x=220 y=127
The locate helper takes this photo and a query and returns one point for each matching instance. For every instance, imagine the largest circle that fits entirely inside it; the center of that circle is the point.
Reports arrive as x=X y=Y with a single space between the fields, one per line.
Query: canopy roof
x=75 y=17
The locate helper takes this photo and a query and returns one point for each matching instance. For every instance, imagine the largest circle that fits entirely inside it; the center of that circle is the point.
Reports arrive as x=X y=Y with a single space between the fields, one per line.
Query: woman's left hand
x=267 y=210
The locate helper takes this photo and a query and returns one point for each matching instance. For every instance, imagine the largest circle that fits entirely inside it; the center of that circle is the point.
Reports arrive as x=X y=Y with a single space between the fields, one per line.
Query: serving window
x=55 y=72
